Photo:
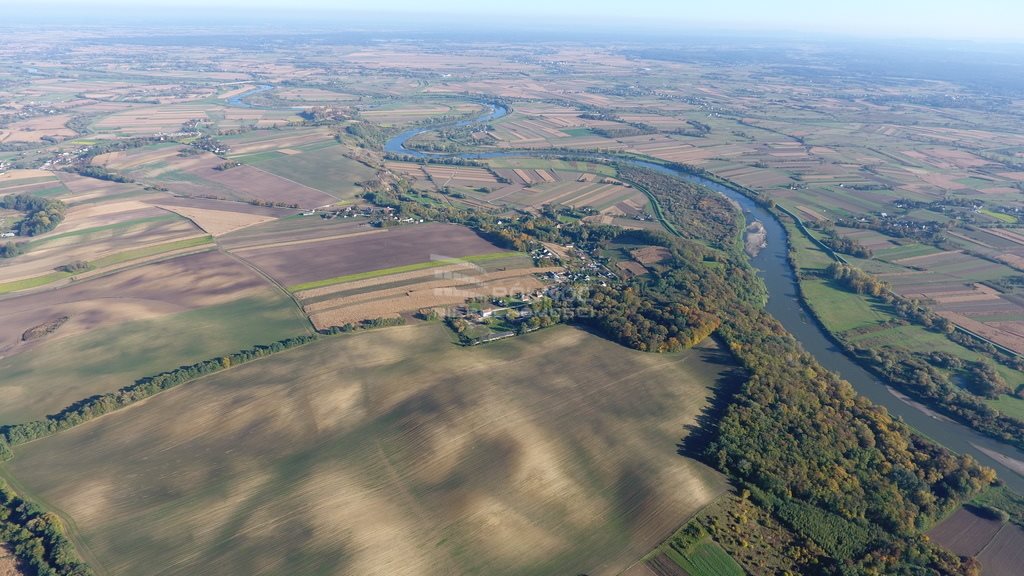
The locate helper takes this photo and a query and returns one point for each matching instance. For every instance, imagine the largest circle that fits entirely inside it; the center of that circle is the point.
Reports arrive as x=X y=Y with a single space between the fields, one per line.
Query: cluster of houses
x=380 y=214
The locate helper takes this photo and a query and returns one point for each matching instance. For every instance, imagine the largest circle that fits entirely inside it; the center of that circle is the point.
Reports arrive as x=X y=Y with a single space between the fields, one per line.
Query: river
x=396 y=145
x=784 y=304
x=238 y=99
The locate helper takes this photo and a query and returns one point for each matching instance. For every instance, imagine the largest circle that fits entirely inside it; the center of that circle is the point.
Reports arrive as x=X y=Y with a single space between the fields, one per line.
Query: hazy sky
x=969 y=19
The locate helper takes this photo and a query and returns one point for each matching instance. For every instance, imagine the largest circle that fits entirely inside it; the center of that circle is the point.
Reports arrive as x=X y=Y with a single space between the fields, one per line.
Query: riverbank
x=786 y=303
x=866 y=328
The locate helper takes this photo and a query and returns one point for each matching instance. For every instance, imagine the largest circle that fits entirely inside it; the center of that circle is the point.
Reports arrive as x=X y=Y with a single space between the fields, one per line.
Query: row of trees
x=101 y=173
x=96 y=406
x=846 y=245
x=856 y=280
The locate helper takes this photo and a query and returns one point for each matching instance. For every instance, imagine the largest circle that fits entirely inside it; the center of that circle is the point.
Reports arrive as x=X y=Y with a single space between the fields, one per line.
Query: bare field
x=34 y=129
x=149 y=291
x=965 y=533
x=198 y=176
x=1004 y=555
x=392 y=452
x=305 y=229
x=131 y=324
x=9 y=565
x=354 y=253
x=998 y=546
x=97 y=244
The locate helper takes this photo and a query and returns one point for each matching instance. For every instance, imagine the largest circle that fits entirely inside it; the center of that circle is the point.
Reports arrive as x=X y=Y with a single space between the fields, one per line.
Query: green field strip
x=150 y=251
x=105 y=262
x=47 y=192
x=999 y=216
x=906 y=251
x=32 y=282
x=1009 y=405
x=256 y=157
x=399 y=270
x=705 y=558
x=839 y=310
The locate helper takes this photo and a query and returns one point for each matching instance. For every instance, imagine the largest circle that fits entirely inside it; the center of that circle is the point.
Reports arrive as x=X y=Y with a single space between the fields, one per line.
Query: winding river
x=238 y=100
x=784 y=303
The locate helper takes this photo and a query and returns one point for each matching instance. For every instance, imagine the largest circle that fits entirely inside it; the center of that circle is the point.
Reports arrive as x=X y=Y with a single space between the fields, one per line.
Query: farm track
x=280 y=288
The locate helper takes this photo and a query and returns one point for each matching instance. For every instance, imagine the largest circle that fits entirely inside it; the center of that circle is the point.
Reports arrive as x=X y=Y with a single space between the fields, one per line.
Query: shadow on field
x=726 y=385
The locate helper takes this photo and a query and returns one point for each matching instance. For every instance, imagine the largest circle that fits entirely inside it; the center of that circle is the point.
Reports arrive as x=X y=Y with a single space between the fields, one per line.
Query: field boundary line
x=280 y=287
x=269 y=173
x=400 y=269
x=308 y=241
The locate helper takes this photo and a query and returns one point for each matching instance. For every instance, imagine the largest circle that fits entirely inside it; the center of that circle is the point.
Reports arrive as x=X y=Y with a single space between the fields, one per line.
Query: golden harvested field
x=217 y=222
x=392 y=452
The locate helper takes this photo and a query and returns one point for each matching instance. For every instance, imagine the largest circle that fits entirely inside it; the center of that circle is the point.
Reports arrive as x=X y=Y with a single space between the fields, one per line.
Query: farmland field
x=999 y=546
x=511 y=458
x=226 y=188
x=706 y=558
x=325 y=169
x=299 y=264
x=867 y=322
x=163 y=315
